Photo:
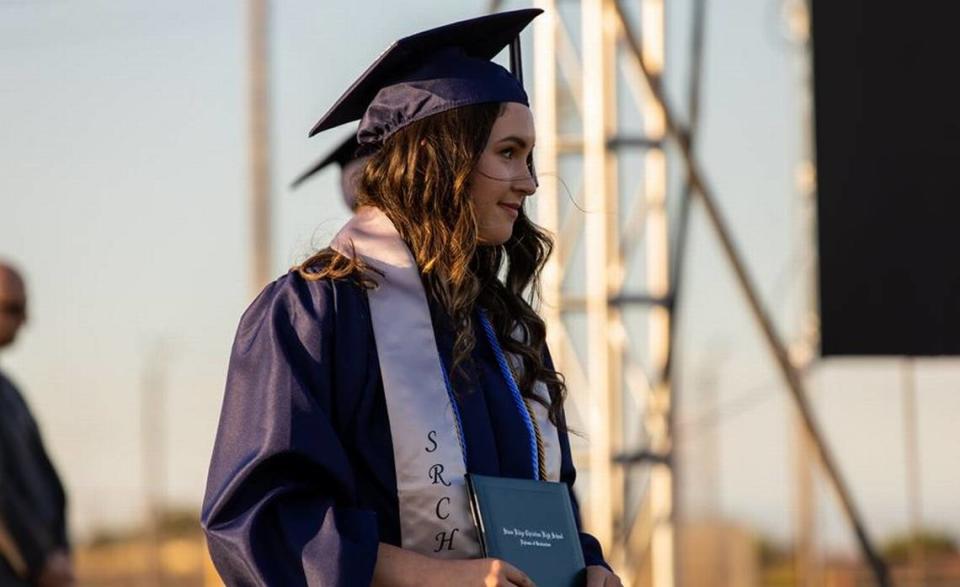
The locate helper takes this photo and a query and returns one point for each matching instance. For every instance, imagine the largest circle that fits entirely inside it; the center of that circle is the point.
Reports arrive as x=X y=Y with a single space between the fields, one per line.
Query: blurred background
x=720 y=442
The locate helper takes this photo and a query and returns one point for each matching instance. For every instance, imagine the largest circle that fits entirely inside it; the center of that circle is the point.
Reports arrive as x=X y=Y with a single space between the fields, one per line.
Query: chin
x=494 y=234
x=496 y=239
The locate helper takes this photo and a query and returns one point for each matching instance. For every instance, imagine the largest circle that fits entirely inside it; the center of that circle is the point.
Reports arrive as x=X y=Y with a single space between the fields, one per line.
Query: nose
x=528 y=183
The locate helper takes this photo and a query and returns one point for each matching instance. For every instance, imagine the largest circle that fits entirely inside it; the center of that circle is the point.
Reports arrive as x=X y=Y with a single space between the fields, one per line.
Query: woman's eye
x=507 y=153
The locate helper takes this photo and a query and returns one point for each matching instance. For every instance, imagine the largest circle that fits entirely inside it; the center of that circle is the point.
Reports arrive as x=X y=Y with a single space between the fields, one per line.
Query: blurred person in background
x=350 y=162
x=33 y=530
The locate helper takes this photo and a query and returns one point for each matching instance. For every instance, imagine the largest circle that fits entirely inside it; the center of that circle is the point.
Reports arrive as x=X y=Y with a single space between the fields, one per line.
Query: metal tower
x=612 y=259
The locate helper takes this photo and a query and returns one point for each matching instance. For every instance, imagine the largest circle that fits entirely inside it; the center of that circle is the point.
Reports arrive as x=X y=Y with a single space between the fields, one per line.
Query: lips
x=512 y=208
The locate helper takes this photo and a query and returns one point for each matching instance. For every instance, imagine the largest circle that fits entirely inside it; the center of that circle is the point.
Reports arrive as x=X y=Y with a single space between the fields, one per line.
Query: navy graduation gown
x=302 y=487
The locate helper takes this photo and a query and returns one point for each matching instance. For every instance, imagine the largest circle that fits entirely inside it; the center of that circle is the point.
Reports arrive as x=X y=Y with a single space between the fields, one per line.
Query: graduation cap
x=345 y=156
x=432 y=72
x=342 y=155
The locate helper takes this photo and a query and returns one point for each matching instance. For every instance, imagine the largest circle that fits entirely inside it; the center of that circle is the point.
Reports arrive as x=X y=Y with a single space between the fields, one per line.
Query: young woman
x=366 y=382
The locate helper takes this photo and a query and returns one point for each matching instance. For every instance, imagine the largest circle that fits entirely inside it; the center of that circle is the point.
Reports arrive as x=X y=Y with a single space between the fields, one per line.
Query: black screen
x=888 y=168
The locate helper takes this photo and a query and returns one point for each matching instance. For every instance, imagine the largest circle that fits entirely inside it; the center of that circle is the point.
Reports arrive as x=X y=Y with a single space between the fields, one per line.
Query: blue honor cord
x=514 y=391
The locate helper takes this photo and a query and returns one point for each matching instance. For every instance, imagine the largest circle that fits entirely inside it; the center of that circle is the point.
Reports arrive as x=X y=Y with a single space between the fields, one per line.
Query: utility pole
x=805 y=555
x=807 y=563
x=153 y=426
x=258 y=27
x=912 y=468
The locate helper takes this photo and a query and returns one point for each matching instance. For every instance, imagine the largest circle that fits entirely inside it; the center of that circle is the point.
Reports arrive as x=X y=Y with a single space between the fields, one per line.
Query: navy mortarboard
x=431 y=72
x=345 y=156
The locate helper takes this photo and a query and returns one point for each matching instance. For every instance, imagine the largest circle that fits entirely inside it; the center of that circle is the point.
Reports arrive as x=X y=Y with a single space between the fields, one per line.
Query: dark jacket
x=32 y=500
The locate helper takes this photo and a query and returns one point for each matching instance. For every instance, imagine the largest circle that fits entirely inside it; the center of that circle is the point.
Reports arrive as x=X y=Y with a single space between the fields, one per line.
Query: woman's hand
x=398 y=567
x=598 y=576
x=484 y=572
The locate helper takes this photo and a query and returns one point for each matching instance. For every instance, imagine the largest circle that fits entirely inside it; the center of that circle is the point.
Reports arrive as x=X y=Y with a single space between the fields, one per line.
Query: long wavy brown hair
x=420 y=180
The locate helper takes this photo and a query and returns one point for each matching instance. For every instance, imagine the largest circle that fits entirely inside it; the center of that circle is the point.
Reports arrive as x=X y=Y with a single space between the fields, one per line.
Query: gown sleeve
x=280 y=505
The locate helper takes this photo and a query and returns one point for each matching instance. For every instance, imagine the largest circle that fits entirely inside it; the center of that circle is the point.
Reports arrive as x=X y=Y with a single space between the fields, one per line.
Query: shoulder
x=297 y=305
x=292 y=293
x=15 y=415
x=9 y=394
x=301 y=325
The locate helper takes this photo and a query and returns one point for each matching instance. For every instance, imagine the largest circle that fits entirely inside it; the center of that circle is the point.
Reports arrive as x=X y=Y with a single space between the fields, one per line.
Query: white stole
x=435 y=514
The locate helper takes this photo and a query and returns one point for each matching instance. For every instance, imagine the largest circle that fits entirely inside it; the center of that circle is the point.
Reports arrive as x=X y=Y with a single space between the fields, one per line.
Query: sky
x=123 y=197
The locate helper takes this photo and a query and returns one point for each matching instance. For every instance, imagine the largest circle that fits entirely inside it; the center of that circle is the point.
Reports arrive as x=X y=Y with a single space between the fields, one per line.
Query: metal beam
x=548 y=209
x=660 y=406
x=599 y=121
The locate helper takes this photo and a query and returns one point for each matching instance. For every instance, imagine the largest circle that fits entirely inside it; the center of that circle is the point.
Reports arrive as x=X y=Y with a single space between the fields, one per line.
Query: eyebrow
x=514 y=139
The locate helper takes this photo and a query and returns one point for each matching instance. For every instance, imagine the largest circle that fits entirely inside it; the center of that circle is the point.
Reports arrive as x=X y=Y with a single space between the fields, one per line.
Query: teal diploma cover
x=530 y=525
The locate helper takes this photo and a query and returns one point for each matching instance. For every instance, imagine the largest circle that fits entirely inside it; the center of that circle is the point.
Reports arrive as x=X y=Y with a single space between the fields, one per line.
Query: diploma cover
x=530 y=525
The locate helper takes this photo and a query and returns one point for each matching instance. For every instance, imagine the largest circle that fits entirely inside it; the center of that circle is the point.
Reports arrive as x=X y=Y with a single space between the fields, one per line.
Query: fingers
x=598 y=576
x=503 y=573
x=516 y=576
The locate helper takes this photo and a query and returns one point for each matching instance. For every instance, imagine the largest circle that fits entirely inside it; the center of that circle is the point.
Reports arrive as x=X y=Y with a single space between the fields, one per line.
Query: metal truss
x=612 y=260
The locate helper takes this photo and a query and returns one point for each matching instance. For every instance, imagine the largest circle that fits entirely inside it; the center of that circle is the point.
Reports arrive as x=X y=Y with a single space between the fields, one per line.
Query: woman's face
x=502 y=179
